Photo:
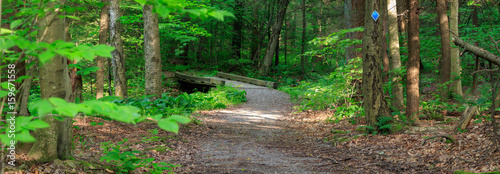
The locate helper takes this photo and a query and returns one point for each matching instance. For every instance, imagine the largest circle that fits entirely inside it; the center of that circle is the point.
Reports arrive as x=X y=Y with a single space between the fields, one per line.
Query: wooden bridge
x=194 y=83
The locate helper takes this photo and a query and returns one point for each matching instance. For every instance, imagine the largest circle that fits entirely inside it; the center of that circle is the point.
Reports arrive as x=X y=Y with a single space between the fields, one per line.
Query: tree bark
x=118 y=58
x=152 y=54
x=274 y=39
x=374 y=103
x=395 y=57
x=402 y=9
x=53 y=142
x=456 y=86
x=445 y=63
x=413 y=71
x=355 y=14
x=385 y=56
x=303 y=42
x=103 y=39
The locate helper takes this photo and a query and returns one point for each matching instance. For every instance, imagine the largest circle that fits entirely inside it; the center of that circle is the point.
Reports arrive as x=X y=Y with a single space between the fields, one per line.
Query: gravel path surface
x=250 y=138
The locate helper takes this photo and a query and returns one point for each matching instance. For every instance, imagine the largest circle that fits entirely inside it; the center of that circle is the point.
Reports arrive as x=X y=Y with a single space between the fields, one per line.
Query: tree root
x=439 y=136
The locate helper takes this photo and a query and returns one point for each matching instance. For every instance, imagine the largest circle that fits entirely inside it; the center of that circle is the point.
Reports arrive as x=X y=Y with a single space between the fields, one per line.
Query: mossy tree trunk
x=413 y=71
x=445 y=63
x=103 y=38
x=152 y=54
x=55 y=141
x=374 y=103
x=118 y=56
x=456 y=86
x=395 y=57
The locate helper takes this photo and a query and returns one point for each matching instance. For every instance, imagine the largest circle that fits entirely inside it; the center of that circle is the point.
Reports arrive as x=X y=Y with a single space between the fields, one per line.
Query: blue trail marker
x=375 y=15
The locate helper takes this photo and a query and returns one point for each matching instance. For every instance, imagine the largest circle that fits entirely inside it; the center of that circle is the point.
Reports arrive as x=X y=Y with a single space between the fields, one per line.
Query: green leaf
x=162 y=10
x=46 y=56
x=103 y=50
x=4 y=31
x=142 y=2
x=25 y=136
x=180 y=119
x=44 y=107
x=169 y=125
x=20 y=79
x=3 y=93
x=217 y=15
x=15 y=24
x=37 y=124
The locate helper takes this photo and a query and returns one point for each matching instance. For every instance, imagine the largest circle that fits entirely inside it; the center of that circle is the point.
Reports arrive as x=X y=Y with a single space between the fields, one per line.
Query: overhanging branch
x=477 y=51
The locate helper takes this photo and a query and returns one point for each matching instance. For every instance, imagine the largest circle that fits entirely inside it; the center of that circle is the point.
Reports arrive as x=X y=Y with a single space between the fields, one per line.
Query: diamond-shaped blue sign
x=375 y=15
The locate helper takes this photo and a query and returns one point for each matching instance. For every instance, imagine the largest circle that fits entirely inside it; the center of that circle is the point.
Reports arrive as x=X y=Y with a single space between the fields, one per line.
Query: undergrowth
x=334 y=91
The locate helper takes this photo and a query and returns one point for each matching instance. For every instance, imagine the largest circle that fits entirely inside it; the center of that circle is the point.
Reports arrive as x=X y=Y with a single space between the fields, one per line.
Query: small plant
x=384 y=125
x=126 y=161
x=153 y=138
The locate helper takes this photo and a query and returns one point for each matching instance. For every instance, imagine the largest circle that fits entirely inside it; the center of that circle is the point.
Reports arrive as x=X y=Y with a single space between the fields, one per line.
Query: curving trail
x=251 y=138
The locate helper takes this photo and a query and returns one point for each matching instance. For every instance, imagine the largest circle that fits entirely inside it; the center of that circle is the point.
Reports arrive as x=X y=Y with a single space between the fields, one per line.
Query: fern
x=384 y=124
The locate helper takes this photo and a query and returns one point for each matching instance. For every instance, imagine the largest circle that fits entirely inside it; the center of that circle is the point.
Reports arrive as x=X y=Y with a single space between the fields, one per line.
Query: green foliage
x=127 y=161
x=335 y=91
x=334 y=44
x=184 y=104
x=384 y=126
x=19 y=132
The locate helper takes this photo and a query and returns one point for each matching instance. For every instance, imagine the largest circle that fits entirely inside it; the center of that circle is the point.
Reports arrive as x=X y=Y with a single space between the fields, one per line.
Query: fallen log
x=477 y=51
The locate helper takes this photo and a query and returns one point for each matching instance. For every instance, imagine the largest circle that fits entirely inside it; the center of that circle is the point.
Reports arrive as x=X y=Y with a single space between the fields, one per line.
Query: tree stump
x=466 y=117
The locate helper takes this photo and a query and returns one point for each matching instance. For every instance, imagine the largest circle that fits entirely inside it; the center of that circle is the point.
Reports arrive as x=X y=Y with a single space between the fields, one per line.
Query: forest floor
x=263 y=135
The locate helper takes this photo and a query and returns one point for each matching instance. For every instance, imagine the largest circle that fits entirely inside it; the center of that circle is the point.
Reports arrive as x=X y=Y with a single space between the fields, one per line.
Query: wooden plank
x=199 y=80
x=248 y=80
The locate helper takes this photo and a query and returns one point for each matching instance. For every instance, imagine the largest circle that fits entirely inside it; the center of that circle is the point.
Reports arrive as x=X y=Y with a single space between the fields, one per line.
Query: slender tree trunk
x=445 y=64
x=118 y=56
x=273 y=41
x=53 y=142
x=152 y=54
x=303 y=43
x=374 y=103
x=103 y=38
x=385 y=56
x=286 y=38
x=456 y=86
x=355 y=18
x=475 y=22
x=237 y=29
x=395 y=57
x=413 y=71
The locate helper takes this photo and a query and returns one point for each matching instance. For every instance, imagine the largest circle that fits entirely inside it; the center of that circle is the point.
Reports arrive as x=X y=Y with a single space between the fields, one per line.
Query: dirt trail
x=251 y=138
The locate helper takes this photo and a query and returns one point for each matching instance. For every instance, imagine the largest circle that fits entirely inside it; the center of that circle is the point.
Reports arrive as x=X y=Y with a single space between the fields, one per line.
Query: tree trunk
x=413 y=71
x=445 y=63
x=385 y=56
x=273 y=41
x=118 y=58
x=355 y=14
x=456 y=86
x=152 y=54
x=402 y=8
x=53 y=142
x=374 y=103
x=303 y=43
x=395 y=57
x=237 y=29
x=103 y=38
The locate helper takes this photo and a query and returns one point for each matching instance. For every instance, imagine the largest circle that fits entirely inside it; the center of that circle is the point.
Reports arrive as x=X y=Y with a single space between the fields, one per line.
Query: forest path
x=252 y=138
